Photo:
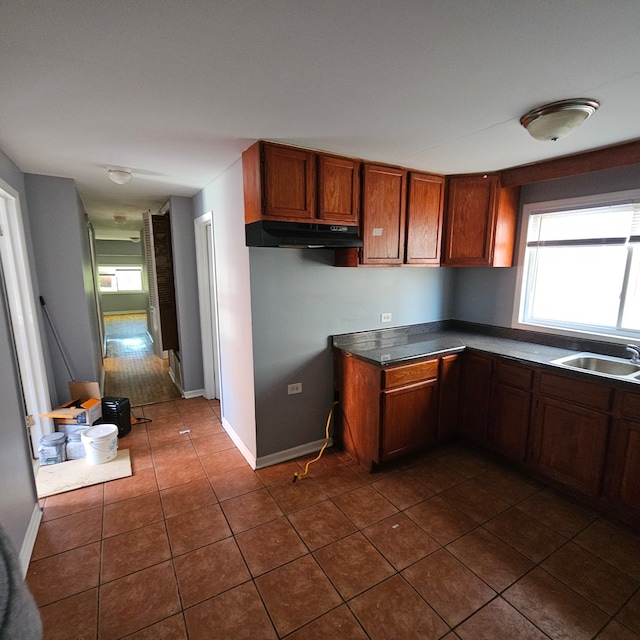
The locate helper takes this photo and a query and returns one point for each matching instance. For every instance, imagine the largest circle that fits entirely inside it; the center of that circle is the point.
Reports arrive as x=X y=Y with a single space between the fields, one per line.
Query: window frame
x=559 y=205
x=122 y=267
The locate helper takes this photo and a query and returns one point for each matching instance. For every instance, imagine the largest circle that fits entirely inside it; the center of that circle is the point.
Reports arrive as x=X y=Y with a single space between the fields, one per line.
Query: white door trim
x=22 y=308
x=208 y=303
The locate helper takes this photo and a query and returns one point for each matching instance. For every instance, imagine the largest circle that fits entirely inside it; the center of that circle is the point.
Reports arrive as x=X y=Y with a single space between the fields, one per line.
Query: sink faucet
x=635 y=353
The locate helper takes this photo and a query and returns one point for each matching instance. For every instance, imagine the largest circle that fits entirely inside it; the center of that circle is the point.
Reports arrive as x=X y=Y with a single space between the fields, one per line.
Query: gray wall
x=487 y=295
x=224 y=198
x=298 y=300
x=63 y=267
x=18 y=496
x=116 y=253
x=186 y=283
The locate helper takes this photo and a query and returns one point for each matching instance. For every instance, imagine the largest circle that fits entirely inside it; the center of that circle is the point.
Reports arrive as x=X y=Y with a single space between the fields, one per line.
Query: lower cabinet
x=475 y=401
x=511 y=410
x=386 y=412
x=624 y=480
x=571 y=431
x=409 y=418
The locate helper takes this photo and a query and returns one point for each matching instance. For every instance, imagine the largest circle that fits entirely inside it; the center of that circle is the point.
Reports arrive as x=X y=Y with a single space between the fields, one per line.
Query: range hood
x=271 y=233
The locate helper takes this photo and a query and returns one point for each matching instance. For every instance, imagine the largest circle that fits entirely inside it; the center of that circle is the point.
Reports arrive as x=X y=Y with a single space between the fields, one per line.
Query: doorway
x=208 y=303
x=24 y=321
x=132 y=368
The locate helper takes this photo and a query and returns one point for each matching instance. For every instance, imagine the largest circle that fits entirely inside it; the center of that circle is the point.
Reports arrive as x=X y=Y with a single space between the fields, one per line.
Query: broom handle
x=55 y=335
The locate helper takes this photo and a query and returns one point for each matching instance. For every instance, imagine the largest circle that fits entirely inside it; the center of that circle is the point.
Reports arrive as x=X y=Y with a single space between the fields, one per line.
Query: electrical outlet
x=385 y=317
x=296 y=387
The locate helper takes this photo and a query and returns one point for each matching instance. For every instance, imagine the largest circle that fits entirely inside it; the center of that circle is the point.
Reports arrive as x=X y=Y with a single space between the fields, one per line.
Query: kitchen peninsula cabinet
x=624 y=486
x=384 y=193
x=480 y=222
x=299 y=185
x=571 y=431
x=511 y=410
x=386 y=412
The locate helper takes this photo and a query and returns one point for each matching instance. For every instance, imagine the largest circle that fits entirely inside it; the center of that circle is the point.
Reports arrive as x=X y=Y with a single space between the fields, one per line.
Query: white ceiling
x=175 y=90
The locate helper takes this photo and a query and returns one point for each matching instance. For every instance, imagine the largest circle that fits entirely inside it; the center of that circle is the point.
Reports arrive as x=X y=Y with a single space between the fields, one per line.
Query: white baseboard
x=290 y=454
x=242 y=447
x=30 y=539
x=196 y=393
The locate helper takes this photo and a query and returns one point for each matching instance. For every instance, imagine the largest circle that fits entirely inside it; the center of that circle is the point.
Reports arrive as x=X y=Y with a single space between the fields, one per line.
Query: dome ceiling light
x=558 y=119
x=120 y=176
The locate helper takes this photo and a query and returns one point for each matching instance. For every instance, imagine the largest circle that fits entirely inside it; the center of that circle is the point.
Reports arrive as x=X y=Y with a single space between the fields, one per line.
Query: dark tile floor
x=447 y=545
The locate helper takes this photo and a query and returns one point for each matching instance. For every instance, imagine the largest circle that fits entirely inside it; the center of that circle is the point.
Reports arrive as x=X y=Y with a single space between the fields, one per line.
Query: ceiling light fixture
x=558 y=119
x=120 y=219
x=120 y=176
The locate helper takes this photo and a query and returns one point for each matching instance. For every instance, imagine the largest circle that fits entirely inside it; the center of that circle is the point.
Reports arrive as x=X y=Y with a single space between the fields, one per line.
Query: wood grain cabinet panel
x=476 y=385
x=384 y=192
x=424 y=218
x=449 y=377
x=410 y=418
x=338 y=190
x=570 y=443
x=480 y=222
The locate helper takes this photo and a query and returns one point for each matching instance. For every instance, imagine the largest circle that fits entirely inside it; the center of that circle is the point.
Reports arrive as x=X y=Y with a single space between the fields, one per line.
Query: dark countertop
x=403 y=344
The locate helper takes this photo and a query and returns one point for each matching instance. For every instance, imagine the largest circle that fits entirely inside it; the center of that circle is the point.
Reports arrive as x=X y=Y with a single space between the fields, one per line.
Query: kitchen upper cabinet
x=384 y=192
x=298 y=185
x=480 y=222
x=510 y=410
x=338 y=189
x=571 y=431
x=424 y=218
x=624 y=485
x=476 y=385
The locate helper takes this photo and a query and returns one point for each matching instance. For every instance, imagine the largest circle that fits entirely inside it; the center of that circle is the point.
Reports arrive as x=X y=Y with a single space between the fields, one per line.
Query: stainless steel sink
x=604 y=365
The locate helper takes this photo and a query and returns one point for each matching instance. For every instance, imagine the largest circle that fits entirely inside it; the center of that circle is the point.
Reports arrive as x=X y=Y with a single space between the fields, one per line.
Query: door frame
x=208 y=303
x=24 y=318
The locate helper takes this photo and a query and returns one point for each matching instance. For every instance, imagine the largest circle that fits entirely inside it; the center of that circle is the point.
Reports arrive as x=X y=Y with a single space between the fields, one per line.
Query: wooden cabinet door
x=480 y=222
x=449 y=395
x=625 y=481
x=289 y=183
x=477 y=381
x=409 y=418
x=511 y=410
x=424 y=218
x=569 y=443
x=384 y=192
x=471 y=204
x=338 y=190
x=509 y=427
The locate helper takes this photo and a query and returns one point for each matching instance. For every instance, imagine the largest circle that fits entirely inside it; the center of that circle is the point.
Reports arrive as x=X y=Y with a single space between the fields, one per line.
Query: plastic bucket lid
x=52 y=439
x=100 y=431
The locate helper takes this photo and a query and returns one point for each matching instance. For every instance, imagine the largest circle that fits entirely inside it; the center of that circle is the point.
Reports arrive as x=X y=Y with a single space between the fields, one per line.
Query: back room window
x=581 y=267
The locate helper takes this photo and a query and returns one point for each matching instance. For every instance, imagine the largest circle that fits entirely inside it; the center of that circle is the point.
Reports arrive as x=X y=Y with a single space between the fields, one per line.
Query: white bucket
x=100 y=443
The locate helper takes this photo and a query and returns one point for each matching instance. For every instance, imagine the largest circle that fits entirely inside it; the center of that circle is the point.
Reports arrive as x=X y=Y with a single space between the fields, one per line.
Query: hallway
x=132 y=370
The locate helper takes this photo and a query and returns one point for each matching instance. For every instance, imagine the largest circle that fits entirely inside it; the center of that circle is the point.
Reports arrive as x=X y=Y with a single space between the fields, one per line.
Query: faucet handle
x=635 y=353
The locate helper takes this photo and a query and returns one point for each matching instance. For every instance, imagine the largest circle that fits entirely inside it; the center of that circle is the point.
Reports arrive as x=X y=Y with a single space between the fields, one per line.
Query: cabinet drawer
x=630 y=405
x=514 y=375
x=587 y=394
x=408 y=373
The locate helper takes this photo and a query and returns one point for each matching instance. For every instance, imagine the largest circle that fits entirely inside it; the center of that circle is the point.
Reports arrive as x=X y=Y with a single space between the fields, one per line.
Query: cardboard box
x=84 y=408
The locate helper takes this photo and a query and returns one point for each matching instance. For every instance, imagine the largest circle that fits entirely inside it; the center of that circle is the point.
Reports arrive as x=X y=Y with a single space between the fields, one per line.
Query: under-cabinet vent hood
x=271 y=233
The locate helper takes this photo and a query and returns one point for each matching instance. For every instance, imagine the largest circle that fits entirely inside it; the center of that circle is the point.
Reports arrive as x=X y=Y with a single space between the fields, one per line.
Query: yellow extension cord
x=298 y=476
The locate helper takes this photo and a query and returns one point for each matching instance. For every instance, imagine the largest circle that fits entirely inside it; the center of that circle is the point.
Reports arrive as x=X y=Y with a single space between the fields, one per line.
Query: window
x=120 y=279
x=581 y=268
